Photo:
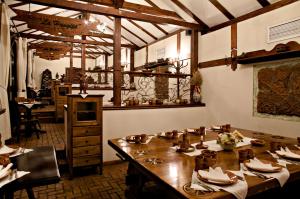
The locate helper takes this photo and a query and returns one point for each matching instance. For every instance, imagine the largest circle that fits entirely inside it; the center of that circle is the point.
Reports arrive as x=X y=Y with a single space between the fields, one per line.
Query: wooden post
x=178 y=62
x=194 y=57
x=71 y=56
x=131 y=64
x=106 y=68
x=234 y=46
x=117 y=62
x=83 y=54
x=147 y=59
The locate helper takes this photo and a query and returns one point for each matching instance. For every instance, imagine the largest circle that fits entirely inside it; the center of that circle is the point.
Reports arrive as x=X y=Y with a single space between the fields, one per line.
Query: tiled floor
x=109 y=185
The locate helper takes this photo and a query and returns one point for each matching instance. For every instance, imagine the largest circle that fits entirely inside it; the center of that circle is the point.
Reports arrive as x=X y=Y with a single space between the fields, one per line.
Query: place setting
x=13 y=151
x=206 y=178
x=137 y=139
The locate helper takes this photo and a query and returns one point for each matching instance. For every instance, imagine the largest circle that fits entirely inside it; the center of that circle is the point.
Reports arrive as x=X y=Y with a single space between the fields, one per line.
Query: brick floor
x=109 y=185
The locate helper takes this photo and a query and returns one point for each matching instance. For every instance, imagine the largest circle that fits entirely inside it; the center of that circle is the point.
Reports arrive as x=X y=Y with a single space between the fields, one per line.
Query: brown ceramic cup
x=137 y=139
x=274 y=146
x=202 y=130
x=243 y=155
x=144 y=138
x=175 y=134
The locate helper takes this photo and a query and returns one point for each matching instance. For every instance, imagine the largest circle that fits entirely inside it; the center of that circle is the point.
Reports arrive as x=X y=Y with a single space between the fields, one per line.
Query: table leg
x=135 y=182
x=30 y=193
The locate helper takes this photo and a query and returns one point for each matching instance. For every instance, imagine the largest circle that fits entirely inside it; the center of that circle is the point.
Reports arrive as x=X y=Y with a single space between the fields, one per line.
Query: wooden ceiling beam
x=21 y=24
x=136 y=46
x=103 y=41
x=70 y=5
x=71 y=40
x=264 y=3
x=155 y=6
x=191 y=14
x=91 y=52
x=118 y=3
x=222 y=9
x=17 y=4
x=142 y=29
x=130 y=32
x=252 y=14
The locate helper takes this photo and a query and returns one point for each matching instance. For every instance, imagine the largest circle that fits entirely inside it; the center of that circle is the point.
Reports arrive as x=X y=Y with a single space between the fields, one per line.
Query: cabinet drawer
x=86 y=141
x=85 y=161
x=86 y=131
x=86 y=151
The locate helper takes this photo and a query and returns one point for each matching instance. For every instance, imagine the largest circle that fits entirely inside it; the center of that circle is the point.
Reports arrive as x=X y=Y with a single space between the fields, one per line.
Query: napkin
x=6 y=150
x=298 y=147
x=4 y=171
x=214 y=174
x=9 y=179
x=239 y=189
x=20 y=151
x=83 y=95
x=257 y=164
x=28 y=105
x=287 y=153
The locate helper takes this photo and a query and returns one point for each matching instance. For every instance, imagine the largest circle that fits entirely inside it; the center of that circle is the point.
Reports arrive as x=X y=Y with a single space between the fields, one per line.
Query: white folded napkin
x=28 y=105
x=83 y=95
x=4 y=171
x=20 y=151
x=214 y=174
x=287 y=153
x=239 y=189
x=9 y=179
x=6 y=150
x=259 y=165
x=298 y=147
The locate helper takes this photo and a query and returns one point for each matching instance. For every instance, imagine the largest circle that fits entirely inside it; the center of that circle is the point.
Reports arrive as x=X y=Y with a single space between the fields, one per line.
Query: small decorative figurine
x=62 y=78
x=83 y=83
x=57 y=76
x=202 y=138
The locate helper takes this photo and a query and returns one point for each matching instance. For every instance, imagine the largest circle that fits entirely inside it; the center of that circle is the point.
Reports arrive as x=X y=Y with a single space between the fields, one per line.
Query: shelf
x=280 y=51
x=152 y=106
x=2 y=111
x=105 y=89
x=150 y=74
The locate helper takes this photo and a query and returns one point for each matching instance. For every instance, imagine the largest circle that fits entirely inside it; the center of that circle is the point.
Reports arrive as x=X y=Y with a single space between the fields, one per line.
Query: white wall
x=229 y=94
x=56 y=66
x=121 y=123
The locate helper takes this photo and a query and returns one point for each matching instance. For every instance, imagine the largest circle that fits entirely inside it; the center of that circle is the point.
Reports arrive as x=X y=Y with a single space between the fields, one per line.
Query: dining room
x=150 y=99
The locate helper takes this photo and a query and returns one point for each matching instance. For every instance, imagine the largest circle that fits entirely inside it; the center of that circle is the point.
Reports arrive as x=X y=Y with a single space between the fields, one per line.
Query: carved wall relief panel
x=277 y=88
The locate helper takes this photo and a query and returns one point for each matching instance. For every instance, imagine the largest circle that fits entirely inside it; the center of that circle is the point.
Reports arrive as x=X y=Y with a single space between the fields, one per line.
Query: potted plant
x=196 y=82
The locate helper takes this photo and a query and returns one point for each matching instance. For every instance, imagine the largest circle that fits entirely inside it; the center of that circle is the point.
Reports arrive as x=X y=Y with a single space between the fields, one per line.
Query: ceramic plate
x=289 y=157
x=258 y=142
x=233 y=179
x=277 y=167
x=188 y=150
x=4 y=174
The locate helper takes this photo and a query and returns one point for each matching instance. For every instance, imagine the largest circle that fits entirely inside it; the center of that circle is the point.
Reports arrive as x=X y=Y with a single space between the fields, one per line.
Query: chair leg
x=30 y=193
x=39 y=124
x=36 y=130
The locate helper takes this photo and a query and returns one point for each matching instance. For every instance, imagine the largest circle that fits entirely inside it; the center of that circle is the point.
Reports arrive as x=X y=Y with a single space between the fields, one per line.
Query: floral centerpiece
x=228 y=141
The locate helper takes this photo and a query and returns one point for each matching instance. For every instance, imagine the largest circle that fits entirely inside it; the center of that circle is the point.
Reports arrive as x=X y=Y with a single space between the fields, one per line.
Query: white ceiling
x=203 y=9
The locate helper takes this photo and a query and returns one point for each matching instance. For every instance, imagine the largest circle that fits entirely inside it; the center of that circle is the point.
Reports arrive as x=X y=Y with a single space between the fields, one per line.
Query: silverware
x=205 y=186
x=243 y=167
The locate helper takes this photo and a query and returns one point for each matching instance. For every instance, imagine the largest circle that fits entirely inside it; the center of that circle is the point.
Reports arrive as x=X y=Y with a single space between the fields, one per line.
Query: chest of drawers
x=84 y=131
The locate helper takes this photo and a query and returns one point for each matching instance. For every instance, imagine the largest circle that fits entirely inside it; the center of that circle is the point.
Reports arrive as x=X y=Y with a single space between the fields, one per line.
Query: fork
x=254 y=172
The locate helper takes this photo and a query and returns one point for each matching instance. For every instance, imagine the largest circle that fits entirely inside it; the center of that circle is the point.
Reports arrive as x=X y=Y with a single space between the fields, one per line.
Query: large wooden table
x=174 y=173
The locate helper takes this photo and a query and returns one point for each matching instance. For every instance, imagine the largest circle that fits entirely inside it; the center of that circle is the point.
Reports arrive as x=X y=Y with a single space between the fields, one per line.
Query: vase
x=196 y=97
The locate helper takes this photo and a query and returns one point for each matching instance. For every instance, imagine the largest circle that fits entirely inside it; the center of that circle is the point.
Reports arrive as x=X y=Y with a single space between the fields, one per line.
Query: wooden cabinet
x=84 y=131
x=60 y=98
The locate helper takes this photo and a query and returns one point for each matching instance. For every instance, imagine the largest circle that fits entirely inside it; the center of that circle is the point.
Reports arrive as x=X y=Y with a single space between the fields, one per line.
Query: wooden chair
x=30 y=124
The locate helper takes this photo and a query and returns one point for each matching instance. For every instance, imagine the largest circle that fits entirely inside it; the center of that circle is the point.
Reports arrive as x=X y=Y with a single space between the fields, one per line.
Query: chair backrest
x=20 y=99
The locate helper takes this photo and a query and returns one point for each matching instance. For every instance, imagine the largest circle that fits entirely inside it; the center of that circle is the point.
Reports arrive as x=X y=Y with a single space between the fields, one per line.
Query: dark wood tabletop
x=176 y=169
x=41 y=163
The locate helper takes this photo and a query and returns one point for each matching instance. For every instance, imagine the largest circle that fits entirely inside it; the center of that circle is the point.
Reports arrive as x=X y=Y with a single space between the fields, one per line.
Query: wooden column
x=178 y=62
x=117 y=62
x=71 y=56
x=234 y=46
x=106 y=68
x=194 y=56
x=131 y=64
x=147 y=57
x=83 y=58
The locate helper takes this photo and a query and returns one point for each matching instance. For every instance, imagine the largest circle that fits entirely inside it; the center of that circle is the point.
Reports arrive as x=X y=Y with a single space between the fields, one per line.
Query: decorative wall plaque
x=278 y=88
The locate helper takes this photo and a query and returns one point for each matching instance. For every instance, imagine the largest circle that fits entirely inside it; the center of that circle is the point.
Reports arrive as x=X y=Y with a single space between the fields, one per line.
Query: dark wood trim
x=142 y=29
x=131 y=65
x=78 y=56
x=194 y=58
x=21 y=24
x=137 y=107
x=222 y=9
x=203 y=25
x=178 y=63
x=67 y=39
x=147 y=54
x=264 y=3
x=139 y=8
x=151 y=74
x=106 y=68
x=233 y=46
x=280 y=51
x=216 y=62
x=252 y=14
x=91 y=52
x=117 y=73
x=42 y=9
x=155 y=6
x=160 y=28
x=118 y=3
x=71 y=56
x=113 y=12
x=136 y=46
x=83 y=61
x=17 y=4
